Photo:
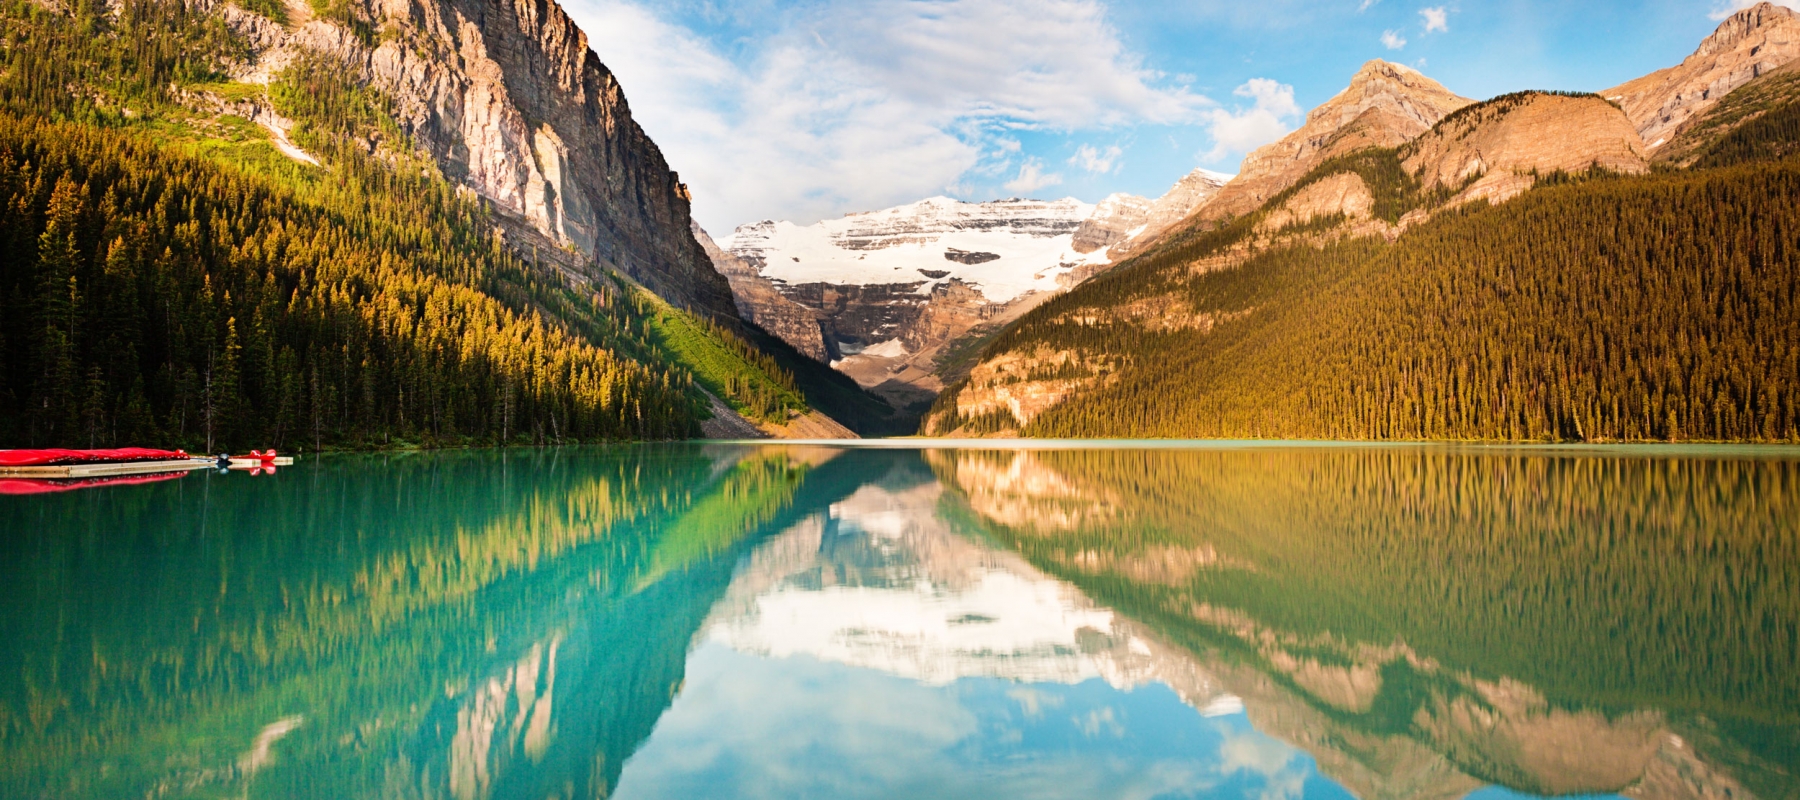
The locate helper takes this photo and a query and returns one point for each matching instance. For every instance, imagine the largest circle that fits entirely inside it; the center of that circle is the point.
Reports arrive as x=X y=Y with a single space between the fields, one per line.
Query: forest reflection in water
x=788 y=621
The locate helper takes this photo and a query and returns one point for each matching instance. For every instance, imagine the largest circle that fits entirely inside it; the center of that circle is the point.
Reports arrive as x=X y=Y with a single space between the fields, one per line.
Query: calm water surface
x=788 y=621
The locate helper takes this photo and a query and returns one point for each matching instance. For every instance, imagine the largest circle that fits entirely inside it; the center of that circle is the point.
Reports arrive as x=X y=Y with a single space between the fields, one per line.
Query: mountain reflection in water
x=786 y=621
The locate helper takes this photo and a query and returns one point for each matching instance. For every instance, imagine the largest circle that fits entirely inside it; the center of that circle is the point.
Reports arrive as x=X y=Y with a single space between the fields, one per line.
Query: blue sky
x=807 y=109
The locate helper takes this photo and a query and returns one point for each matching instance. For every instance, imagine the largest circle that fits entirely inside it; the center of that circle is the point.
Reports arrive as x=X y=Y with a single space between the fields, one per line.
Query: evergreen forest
x=1596 y=307
x=168 y=278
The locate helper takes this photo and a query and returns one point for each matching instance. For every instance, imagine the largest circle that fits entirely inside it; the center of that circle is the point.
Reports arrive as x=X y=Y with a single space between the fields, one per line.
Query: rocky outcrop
x=509 y=100
x=760 y=302
x=1748 y=44
x=884 y=295
x=1343 y=193
x=1500 y=148
x=1115 y=219
x=1386 y=105
x=1770 y=94
x=1021 y=386
x=1191 y=192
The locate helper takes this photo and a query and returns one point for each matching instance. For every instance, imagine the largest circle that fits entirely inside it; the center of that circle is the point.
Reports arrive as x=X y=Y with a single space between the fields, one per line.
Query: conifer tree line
x=1659 y=307
x=167 y=278
x=152 y=297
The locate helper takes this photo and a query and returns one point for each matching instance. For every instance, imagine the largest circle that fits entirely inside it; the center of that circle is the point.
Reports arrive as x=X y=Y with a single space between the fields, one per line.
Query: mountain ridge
x=1746 y=45
x=1188 y=337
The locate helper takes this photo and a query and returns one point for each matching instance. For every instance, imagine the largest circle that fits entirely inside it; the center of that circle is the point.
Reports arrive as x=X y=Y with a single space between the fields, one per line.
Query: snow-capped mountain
x=883 y=294
x=884 y=583
x=1004 y=249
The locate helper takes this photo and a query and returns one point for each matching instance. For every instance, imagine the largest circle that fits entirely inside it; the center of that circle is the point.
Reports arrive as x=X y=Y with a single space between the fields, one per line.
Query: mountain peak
x=1745 y=24
x=1380 y=67
x=1385 y=105
x=1747 y=45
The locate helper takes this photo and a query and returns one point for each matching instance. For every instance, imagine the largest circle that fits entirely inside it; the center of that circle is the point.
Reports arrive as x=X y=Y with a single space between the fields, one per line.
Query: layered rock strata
x=1745 y=46
x=1191 y=192
x=760 y=302
x=1500 y=148
x=1117 y=218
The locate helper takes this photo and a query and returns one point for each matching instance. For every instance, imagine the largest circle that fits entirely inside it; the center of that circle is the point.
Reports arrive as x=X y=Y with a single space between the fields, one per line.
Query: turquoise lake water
x=806 y=621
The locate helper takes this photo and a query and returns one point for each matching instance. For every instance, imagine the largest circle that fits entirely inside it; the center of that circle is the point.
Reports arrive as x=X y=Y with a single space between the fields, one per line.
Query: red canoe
x=58 y=458
x=28 y=486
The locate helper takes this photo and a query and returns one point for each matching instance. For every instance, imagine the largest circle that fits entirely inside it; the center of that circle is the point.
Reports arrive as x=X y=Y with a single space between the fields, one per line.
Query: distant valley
x=900 y=298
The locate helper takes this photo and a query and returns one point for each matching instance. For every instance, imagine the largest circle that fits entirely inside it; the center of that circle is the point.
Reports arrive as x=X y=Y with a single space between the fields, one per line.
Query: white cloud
x=1723 y=10
x=1243 y=130
x=1097 y=161
x=1366 y=4
x=1392 y=40
x=1436 y=19
x=1032 y=178
x=850 y=109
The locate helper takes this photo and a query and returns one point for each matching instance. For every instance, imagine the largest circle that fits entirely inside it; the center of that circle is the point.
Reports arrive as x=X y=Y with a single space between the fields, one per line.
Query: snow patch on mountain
x=1005 y=248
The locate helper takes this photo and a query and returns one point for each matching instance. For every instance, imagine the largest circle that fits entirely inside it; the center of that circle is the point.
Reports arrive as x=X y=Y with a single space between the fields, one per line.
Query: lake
x=788 y=621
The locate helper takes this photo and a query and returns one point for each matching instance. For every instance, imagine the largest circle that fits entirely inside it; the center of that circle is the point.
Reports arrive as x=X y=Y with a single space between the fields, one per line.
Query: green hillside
x=1595 y=307
x=170 y=277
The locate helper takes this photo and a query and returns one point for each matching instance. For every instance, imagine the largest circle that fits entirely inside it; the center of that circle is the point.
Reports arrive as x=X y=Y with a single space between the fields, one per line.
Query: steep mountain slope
x=1386 y=105
x=1189 y=193
x=882 y=294
x=1115 y=219
x=509 y=100
x=1497 y=149
x=1653 y=307
x=1748 y=44
x=1760 y=121
x=758 y=301
x=402 y=262
x=1381 y=294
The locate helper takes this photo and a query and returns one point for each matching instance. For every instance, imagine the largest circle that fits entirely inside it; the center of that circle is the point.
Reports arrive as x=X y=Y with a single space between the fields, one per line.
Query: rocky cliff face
x=1116 y=219
x=759 y=301
x=1499 y=148
x=1191 y=192
x=1386 y=105
x=883 y=295
x=1748 y=44
x=511 y=102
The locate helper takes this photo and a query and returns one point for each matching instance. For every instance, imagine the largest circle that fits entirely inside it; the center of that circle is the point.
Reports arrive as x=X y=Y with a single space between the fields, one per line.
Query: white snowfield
x=1020 y=246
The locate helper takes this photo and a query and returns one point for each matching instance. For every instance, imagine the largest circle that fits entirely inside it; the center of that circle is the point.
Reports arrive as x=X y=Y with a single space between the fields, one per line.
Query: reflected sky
x=781 y=621
x=875 y=651
x=753 y=727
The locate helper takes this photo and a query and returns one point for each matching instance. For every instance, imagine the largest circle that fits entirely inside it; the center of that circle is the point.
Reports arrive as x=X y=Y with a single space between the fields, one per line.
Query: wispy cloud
x=1366 y=4
x=1097 y=161
x=847 y=109
x=1392 y=40
x=1436 y=19
x=1032 y=178
x=1245 y=129
x=1723 y=10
